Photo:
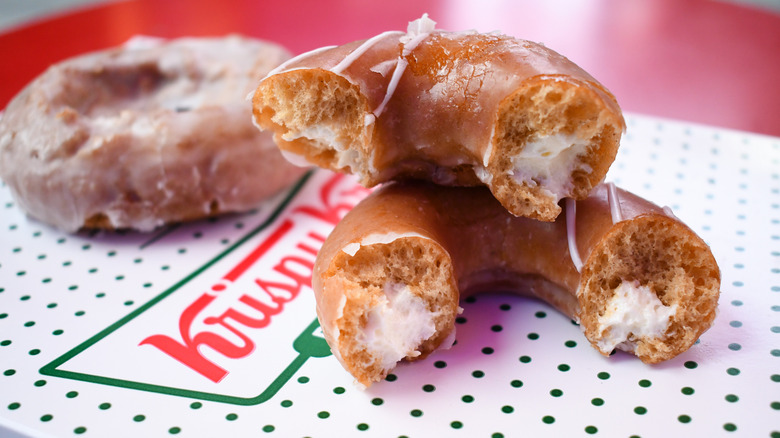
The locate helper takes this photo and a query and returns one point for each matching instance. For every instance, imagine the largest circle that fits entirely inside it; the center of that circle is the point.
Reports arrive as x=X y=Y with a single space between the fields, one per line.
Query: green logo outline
x=306 y=344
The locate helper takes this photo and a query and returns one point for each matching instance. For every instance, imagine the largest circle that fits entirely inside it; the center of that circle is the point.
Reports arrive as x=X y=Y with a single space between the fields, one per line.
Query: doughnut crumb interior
x=547 y=110
x=672 y=262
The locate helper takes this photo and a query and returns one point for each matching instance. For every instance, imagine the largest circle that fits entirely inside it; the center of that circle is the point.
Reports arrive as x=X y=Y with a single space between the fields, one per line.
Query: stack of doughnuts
x=142 y=135
x=492 y=152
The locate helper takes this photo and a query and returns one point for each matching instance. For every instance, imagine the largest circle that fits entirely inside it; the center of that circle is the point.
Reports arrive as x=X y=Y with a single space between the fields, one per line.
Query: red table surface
x=695 y=60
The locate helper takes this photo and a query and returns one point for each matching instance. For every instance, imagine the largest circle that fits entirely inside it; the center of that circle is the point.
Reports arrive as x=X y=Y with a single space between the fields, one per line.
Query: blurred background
x=704 y=61
x=17 y=12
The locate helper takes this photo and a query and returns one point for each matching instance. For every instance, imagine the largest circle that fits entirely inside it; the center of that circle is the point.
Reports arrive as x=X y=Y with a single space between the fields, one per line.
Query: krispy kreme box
x=209 y=329
x=208 y=334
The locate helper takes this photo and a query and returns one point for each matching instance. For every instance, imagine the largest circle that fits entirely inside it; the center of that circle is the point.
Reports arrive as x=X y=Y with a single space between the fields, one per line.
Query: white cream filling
x=483 y=174
x=550 y=160
x=326 y=135
x=633 y=312
x=397 y=325
x=320 y=132
x=349 y=158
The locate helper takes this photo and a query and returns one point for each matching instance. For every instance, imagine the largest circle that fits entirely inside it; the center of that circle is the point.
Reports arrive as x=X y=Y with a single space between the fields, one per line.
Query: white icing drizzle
x=363 y=48
x=384 y=67
x=416 y=32
x=411 y=45
x=571 y=221
x=614 y=203
x=397 y=73
x=285 y=64
x=571 y=233
x=668 y=211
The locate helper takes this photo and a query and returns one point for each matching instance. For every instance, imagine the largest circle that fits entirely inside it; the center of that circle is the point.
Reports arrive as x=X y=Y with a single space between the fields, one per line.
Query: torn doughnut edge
x=327 y=121
x=655 y=255
x=321 y=118
x=397 y=301
x=555 y=138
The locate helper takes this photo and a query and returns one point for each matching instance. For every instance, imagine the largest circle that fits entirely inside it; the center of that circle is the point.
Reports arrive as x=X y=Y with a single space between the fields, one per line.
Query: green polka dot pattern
x=516 y=361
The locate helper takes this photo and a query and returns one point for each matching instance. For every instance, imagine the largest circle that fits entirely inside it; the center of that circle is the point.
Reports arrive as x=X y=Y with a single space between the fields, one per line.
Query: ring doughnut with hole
x=389 y=277
x=456 y=108
x=152 y=132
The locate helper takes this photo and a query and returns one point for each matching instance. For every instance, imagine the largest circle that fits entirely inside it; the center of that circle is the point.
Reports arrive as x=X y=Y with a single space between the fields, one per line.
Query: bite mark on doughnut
x=549 y=143
x=321 y=117
x=408 y=283
x=670 y=261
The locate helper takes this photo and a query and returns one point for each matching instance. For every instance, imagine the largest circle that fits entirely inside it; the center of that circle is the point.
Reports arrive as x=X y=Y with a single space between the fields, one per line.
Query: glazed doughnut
x=457 y=108
x=388 y=279
x=148 y=133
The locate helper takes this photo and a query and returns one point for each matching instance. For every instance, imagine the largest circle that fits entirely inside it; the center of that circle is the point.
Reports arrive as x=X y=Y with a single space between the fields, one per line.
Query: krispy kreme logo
x=255 y=308
x=247 y=312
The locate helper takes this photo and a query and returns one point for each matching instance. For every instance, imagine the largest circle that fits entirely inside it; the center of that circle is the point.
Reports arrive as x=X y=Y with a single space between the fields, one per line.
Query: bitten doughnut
x=456 y=108
x=388 y=279
x=148 y=133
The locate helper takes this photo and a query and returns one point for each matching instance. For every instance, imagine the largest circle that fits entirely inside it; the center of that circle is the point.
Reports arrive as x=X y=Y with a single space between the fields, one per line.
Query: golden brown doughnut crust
x=468 y=109
x=441 y=242
x=144 y=134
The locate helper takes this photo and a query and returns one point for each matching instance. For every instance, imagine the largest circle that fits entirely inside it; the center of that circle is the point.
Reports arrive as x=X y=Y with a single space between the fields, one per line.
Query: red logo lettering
x=258 y=306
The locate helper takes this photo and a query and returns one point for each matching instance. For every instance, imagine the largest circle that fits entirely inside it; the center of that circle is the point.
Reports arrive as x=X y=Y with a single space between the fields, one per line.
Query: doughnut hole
x=317 y=115
x=107 y=91
x=418 y=267
x=683 y=272
x=553 y=139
